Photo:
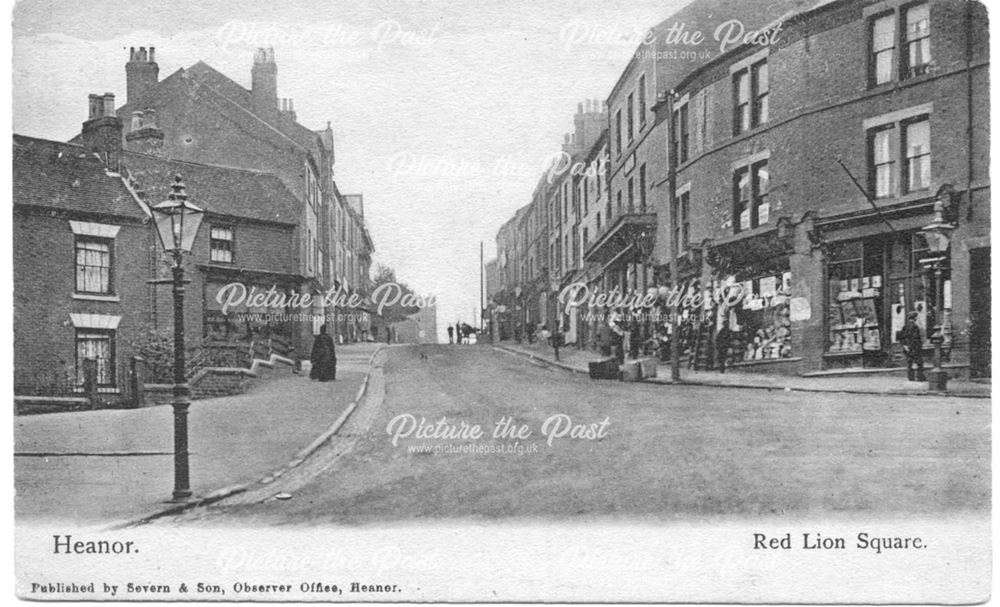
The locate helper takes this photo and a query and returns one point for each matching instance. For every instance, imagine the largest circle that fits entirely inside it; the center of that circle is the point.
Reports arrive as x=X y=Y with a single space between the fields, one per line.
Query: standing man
x=557 y=338
x=451 y=334
x=722 y=341
x=913 y=345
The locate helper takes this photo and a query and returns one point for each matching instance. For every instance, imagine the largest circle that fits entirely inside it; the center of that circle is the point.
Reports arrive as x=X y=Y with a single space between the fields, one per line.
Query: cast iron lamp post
x=938 y=235
x=177 y=222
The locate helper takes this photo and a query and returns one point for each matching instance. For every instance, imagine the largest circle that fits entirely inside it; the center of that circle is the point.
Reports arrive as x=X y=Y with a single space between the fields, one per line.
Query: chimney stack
x=264 y=87
x=102 y=132
x=288 y=108
x=144 y=135
x=141 y=72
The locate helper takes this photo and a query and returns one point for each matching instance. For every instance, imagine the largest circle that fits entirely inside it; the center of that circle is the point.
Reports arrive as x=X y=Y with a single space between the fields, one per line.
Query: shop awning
x=622 y=235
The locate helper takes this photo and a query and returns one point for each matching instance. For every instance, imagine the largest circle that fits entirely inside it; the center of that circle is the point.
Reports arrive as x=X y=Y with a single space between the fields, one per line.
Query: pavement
x=113 y=466
x=576 y=360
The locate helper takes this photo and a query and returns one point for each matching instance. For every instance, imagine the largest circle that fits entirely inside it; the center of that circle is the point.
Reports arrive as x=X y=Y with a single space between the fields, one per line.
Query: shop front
x=871 y=285
x=752 y=294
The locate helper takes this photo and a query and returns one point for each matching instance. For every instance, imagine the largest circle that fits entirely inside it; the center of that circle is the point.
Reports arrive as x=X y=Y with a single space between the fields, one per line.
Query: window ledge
x=95 y=297
x=897 y=199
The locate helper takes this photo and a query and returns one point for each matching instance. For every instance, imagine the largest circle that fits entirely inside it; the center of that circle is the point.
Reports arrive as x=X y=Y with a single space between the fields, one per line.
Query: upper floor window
x=642 y=188
x=883 y=162
x=619 y=196
x=741 y=98
x=93 y=264
x=630 y=106
x=917 y=40
x=598 y=222
x=618 y=130
x=917 y=143
x=631 y=195
x=899 y=157
x=883 y=40
x=642 y=102
x=750 y=190
x=221 y=245
x=760 y=86
x=681 y=134
x=914 y=42
x=750 y=97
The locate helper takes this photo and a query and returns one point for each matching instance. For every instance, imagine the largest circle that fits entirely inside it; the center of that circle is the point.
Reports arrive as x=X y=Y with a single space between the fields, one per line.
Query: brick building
x=830 y=267
x=82 y=255
x=799 y=164
x=82 y=214
x=206 y=117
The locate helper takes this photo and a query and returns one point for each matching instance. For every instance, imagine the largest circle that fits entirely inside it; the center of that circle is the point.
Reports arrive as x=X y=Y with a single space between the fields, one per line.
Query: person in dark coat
x=451 y=334
x=323 y=357
x=723 y=339
x=913 y=344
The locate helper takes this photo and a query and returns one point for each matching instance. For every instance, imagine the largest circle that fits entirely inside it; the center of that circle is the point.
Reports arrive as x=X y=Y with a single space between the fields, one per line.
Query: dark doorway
x=979 y=313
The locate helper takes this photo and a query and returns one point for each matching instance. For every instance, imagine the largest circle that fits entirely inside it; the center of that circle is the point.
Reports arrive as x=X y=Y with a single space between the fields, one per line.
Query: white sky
x=429 y=100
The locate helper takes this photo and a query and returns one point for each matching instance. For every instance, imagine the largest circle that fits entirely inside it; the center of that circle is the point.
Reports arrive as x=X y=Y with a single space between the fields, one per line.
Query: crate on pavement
x=647 y=367
x=606 y=368
x=631 y=371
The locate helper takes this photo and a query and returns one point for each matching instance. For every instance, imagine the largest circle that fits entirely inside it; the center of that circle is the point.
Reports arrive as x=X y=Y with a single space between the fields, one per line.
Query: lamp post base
x=937 y=380
x=181 y=497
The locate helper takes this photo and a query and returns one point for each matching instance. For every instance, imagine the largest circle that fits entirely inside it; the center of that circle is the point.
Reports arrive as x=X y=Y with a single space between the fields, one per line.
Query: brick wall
x=44 y=283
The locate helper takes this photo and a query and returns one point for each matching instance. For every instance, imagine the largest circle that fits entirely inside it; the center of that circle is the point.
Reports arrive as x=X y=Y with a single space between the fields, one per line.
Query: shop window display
x=871 y=286
x=761 y=322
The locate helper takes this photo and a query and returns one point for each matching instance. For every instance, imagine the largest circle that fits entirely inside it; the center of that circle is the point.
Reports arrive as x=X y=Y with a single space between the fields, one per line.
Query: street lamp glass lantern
x=177 y=220
x=938 y=232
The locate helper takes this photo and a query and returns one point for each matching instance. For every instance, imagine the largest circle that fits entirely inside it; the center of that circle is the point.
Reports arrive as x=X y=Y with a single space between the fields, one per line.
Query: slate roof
x=64 y=176
x=216 y=189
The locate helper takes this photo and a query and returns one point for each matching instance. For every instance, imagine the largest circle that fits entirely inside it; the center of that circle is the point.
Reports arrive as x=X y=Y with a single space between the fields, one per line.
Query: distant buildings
x=731 y=162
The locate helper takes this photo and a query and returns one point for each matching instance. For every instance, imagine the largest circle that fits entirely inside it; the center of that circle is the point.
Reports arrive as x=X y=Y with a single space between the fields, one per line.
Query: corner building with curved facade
x=804 y=170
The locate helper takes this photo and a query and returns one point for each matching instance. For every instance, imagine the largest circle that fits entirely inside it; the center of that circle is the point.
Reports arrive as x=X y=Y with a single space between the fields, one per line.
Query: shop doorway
x=979 y=313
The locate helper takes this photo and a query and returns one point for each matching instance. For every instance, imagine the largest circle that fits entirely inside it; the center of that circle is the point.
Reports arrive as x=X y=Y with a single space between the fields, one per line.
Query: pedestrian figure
x=323 y=357
x=451 y=334
x=617 y=336
x=557 y=337
x=530 y=327
x=913 y=345
x=388 y=335
x=722 y=341
x=634 y=338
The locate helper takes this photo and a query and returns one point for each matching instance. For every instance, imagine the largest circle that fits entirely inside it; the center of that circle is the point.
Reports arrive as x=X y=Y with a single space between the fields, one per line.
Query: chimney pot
x=96 y=107
x=152 y=51
x=579 y=108
x=109 y=104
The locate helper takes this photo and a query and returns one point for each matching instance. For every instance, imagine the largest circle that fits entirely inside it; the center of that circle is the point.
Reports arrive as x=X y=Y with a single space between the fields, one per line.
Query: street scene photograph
x=657 y=301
